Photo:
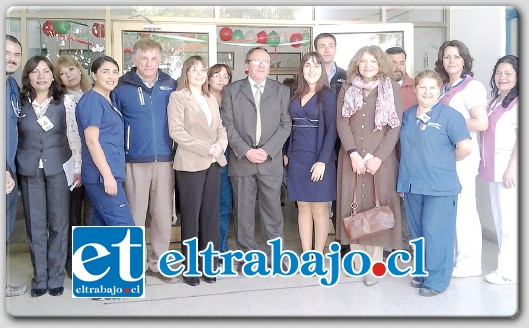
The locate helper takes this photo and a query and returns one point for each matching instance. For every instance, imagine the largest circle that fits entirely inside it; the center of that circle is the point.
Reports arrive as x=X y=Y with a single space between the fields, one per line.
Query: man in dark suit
x=255 y=114
x=325 y=45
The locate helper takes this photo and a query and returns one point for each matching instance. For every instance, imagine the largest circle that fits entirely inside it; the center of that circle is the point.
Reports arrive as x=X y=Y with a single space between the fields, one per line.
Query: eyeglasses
x=265 y=62
x=219 y=76
x=196 y=69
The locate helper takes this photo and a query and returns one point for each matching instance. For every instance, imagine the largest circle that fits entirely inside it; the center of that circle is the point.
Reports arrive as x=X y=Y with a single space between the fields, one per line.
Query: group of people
x=222 y=148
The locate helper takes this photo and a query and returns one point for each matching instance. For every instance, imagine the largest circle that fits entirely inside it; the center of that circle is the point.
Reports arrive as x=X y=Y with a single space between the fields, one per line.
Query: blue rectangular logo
x=108 y=262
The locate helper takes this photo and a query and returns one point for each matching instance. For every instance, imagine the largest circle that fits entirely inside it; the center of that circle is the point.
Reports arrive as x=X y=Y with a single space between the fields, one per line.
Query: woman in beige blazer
x=196 y=127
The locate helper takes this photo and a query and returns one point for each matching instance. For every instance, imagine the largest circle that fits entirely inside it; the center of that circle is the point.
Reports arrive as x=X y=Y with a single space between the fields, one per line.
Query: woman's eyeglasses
x=218 y=76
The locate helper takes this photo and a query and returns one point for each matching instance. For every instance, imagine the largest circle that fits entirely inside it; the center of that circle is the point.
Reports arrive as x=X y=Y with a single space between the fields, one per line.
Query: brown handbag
x=369 y=222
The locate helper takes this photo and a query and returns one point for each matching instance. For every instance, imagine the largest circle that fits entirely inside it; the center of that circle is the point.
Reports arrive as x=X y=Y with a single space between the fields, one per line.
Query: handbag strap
x=354 y=204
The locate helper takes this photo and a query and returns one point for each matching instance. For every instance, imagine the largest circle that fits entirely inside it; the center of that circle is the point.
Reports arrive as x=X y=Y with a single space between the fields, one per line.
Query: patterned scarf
x=385 y=113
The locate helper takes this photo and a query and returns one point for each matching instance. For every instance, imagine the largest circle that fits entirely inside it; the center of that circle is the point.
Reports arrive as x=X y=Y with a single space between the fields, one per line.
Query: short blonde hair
x=429 y=74
x=146 y=44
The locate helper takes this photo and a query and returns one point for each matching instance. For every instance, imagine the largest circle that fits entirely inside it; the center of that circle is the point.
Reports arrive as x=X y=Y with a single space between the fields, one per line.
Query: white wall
x=482 y=29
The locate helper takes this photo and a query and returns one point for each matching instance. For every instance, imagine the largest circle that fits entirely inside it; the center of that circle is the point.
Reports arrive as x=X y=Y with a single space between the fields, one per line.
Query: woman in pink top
x=498 y=166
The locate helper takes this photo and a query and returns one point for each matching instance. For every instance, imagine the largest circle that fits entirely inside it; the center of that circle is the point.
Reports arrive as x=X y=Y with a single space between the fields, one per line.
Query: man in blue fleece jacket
x=142 y=96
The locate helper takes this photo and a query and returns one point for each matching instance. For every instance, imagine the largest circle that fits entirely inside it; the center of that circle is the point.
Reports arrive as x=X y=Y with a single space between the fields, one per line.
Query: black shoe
x=36 y=292
x=56 y=291
x=427 y=292
x=209 y=280
x=192 y=281
x=417 y=282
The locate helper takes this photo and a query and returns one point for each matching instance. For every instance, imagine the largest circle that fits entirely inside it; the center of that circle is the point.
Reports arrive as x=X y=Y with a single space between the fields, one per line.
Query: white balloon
x=251 y=37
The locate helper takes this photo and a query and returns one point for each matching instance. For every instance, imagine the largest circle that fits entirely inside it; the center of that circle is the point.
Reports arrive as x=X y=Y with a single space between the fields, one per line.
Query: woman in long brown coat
x=368 y=121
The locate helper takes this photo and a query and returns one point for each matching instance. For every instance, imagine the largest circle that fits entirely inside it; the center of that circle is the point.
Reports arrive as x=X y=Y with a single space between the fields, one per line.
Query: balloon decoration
x=98 y=30
x=296 y=37
x=250 y=36
x=306 y=39
x=261 y=37
x=273 y=39
x=225 y=34
x=283 y=38
x=48 y=28
x=62 y=27
x=237 y=36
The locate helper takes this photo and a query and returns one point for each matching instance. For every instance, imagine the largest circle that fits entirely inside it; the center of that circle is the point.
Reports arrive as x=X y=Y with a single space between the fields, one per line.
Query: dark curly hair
x=509 y=59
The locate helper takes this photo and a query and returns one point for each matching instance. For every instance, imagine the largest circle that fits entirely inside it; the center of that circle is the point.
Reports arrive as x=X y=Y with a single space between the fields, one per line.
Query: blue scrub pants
x=434 y=218
x=226 y=204
x=109 y=210
x=11 y=210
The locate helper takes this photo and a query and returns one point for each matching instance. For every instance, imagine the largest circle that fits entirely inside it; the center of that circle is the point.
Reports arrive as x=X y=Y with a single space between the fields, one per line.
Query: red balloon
x=48 y=28
x=98 y=30
x=261 y=37
x=225 y=34
x=296 y=37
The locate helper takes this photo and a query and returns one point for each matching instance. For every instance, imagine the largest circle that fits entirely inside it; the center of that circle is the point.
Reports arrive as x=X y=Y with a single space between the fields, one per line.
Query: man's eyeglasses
x=196 y=69
x=265 y=62
x=219 y=77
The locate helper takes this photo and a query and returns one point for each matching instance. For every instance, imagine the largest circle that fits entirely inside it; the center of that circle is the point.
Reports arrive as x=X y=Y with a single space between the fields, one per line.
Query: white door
x=178 y=43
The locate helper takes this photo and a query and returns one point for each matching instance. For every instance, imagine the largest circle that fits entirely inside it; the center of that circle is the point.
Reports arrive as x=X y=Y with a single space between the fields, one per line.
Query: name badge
x=424 y=117
x=45 y=123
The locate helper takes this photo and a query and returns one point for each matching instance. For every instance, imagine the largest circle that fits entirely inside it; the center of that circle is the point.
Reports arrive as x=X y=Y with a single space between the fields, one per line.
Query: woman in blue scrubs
x=433 y=137
x=102 y=136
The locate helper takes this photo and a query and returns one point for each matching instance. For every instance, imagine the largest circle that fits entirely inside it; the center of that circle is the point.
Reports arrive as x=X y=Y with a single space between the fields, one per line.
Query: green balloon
x=273 y=39
x=306 y=39
x=237 y=35
x=62 y=27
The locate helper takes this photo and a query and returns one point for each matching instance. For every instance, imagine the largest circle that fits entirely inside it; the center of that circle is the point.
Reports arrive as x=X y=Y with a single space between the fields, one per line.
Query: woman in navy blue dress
x=310 y=154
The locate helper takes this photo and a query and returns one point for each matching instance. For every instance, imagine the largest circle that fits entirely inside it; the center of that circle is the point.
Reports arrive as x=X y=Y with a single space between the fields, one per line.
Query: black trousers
x=200 y=206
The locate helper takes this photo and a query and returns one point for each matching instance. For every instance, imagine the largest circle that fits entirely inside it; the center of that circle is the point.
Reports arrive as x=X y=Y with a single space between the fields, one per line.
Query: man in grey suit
x=255 y=114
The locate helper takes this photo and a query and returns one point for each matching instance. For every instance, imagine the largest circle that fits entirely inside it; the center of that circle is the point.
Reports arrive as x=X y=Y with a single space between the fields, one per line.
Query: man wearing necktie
x=255 y=113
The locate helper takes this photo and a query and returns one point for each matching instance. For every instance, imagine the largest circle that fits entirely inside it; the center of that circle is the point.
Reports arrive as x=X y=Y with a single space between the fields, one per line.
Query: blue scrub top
x=428 y=160
x=12 y=110
x=95 y=110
